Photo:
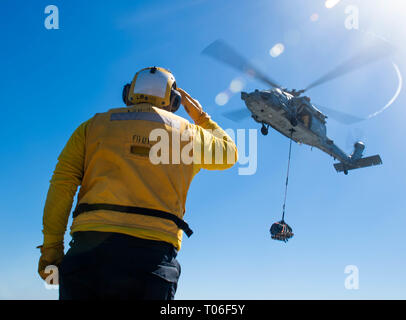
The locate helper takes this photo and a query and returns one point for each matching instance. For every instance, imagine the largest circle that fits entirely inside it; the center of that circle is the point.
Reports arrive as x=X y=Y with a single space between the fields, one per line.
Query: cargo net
x=281 y=231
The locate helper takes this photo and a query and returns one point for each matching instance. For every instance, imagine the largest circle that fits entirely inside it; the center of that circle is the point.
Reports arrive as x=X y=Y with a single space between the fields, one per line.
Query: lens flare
x=314 y=17
x=331 y=3
x=222 y=98
x=236 y=85
x=277 y=50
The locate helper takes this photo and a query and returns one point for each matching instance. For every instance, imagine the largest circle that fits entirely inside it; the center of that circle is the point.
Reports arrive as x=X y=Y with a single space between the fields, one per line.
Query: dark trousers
x=103 y=265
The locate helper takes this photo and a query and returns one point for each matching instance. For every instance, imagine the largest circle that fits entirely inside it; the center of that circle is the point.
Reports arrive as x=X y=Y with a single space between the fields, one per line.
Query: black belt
x=85 y=207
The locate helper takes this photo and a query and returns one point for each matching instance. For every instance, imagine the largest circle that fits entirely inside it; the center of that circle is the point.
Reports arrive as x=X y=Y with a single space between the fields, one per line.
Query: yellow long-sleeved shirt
x=69 y=172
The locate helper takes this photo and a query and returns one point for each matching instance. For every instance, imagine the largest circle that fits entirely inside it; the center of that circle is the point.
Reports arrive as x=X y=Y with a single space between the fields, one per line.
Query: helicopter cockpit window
x=304 y=116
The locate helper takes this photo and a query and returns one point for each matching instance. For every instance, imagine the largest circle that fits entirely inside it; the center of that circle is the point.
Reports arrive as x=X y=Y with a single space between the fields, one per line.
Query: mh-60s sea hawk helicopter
x=292 y=114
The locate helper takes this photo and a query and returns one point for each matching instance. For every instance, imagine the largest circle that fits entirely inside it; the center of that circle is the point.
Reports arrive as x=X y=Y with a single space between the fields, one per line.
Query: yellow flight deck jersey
x=134 y=166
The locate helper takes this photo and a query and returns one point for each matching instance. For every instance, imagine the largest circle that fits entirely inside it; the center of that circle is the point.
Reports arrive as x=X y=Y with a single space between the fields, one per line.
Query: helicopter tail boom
x=360 y=163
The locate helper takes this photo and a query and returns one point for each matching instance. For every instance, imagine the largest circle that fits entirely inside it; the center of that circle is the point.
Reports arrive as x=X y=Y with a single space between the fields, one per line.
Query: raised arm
x=213 y=149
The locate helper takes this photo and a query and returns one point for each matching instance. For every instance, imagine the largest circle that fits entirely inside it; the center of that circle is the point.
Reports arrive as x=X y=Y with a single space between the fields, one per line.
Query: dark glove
x=51 y=254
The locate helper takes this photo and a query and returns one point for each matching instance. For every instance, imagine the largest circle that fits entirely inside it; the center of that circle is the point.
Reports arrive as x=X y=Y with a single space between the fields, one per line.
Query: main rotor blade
x=222 y=52
x=363 y=58
x=237 y=115
x=340 y=116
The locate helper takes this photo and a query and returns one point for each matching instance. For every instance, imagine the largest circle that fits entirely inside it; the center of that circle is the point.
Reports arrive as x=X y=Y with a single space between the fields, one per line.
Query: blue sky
x=52 y=80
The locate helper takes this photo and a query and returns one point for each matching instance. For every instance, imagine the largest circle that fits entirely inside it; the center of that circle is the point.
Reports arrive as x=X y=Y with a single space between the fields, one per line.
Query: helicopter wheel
x=264 y=130
x=293 y=122
x=345 y=172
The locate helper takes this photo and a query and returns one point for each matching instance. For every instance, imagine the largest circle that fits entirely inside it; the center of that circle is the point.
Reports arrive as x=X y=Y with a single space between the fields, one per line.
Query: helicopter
x=293 y=114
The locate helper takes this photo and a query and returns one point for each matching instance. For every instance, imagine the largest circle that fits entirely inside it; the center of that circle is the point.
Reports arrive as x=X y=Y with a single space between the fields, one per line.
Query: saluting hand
x=192 y=107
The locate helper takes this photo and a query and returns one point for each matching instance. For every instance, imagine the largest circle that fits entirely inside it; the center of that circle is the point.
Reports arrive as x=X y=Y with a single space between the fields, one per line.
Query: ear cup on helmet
x=176 y=99
x=126 y=90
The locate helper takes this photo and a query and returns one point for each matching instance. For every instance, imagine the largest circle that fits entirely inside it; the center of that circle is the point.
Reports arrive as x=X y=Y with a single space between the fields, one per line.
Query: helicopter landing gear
x=293 y=121
x=264 y=129
x=345 y=172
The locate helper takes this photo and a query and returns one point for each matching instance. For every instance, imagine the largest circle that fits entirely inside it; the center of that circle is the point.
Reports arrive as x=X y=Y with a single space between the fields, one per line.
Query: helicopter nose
x=244 y=95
